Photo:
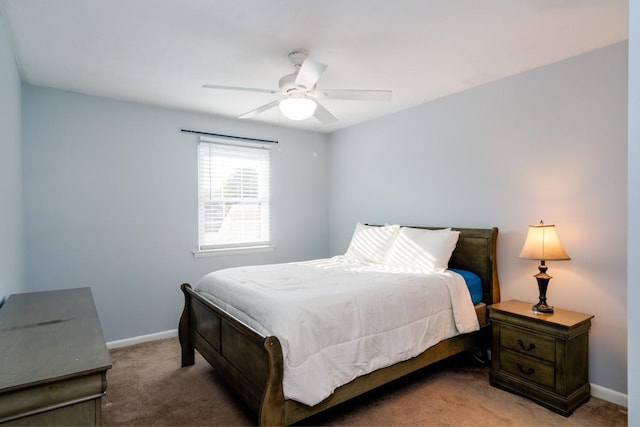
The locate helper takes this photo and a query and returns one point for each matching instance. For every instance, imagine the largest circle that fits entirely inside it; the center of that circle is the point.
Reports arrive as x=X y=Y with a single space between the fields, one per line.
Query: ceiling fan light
x=298 y=108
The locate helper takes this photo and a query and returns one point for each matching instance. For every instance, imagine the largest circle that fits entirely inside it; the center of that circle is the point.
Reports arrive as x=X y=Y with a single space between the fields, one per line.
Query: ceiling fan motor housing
x=288 y=82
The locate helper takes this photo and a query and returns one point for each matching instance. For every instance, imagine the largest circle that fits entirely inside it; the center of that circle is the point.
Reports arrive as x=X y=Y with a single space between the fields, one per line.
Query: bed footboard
x=249 y=363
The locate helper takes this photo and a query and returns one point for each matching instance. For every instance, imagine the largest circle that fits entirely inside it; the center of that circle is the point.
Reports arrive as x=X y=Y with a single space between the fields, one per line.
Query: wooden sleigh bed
x=252 y=364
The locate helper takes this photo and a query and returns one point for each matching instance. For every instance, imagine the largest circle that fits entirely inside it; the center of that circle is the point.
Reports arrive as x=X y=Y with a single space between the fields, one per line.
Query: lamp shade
x=298 y=108
x=542 y=243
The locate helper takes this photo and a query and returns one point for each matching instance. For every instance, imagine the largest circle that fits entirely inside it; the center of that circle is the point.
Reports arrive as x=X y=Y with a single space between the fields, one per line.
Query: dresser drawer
x=528 y=368
x=528 y=343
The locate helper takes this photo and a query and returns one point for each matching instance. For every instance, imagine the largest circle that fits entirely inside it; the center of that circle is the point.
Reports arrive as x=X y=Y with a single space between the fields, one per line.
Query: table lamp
x=543 y=244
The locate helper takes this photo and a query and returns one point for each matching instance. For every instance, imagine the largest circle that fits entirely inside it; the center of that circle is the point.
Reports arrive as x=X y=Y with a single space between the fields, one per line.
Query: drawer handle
x=527 y=372
x=528 y=348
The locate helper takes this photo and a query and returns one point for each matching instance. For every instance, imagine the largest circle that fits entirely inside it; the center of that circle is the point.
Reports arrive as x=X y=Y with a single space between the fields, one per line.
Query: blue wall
x=111 y=203
x=547 y=144
x=11 y=228
x=634 y=214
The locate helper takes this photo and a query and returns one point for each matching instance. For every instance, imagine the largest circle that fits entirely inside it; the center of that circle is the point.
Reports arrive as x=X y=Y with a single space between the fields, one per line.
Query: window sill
x=232 y=251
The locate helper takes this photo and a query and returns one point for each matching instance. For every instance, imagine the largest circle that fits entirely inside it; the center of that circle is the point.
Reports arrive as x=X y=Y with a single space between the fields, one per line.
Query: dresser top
x=48 y=336
x=559 y=316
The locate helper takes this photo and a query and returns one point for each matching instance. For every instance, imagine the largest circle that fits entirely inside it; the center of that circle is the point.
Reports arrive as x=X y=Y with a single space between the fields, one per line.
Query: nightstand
x=544 y=357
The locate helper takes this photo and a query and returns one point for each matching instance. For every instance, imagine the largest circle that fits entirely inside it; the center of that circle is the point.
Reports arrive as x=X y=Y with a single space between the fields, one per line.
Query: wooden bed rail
x=251 y=363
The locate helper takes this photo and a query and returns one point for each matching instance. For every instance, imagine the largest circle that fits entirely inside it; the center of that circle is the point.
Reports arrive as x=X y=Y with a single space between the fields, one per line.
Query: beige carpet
x=147 y=386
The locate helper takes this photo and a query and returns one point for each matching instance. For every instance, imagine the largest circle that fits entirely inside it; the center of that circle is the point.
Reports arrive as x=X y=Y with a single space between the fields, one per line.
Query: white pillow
x=372 y=243
x=422 y=248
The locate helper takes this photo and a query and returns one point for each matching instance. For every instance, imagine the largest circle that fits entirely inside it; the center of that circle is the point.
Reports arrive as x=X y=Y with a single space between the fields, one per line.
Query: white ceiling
x=161 y=52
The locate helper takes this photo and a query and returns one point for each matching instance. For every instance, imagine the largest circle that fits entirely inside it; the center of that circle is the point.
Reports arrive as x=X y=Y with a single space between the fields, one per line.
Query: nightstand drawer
x=528 y=368
x=531 y=344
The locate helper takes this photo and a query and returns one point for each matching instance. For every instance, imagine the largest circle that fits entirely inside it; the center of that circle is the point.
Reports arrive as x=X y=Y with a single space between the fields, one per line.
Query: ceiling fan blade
x=356 y=95
x=245 y=89
x=323 y=115
x=259 y=110
x=309 y=74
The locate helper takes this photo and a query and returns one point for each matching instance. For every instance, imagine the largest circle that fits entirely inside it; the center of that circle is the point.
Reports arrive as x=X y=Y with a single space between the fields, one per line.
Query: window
x=233 y=195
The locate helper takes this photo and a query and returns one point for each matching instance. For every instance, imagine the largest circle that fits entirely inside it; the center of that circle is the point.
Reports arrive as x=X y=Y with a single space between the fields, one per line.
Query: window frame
x=260 y=153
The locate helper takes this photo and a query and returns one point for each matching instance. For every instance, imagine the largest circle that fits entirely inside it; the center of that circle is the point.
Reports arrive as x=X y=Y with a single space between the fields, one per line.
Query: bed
x=252 y=363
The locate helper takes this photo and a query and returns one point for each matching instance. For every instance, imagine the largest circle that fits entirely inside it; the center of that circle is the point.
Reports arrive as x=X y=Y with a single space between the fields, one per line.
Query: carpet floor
x=147 y=386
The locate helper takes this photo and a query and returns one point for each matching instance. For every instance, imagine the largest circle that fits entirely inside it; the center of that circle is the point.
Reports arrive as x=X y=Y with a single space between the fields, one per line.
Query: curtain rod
x=229 y=136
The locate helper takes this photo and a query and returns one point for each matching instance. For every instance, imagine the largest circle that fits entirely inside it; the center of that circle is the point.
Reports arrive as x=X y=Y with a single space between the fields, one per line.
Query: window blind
x=233 y=195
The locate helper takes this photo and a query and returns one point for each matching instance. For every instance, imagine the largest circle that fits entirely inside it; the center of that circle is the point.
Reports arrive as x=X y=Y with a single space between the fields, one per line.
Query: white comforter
x=339 y=318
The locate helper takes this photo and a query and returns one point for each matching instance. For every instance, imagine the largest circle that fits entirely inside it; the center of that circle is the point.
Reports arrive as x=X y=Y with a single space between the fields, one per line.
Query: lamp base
x=542 y=308
x=543 y=281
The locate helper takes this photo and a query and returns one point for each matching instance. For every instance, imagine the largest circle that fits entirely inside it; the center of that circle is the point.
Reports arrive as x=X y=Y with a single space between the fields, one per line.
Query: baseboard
x=609 y=395
x=142 y=339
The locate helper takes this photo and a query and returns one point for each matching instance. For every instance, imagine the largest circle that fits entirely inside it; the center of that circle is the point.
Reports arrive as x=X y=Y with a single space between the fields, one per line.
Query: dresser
x=54 y=359
x=544 y=357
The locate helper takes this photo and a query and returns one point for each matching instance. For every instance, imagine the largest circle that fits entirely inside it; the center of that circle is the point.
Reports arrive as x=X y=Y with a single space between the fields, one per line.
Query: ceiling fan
x=298 y=95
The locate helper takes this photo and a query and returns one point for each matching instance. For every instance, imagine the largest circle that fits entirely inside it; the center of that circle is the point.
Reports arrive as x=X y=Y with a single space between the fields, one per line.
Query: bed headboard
x=476 y=252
